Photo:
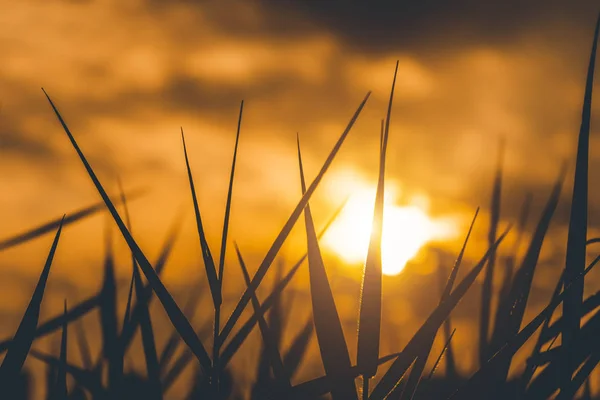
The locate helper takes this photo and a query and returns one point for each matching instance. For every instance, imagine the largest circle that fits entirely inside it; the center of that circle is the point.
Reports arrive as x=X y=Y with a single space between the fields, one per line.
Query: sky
x=128 y=76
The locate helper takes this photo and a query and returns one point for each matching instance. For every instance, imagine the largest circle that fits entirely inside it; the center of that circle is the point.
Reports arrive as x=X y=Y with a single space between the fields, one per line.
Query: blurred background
x=127 y=76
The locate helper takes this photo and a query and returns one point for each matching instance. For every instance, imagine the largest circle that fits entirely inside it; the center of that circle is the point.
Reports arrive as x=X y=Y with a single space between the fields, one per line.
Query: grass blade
x=21 y=343
x=369 y=322
x=576 y=242
x=487 y=289
x=175 y=315
x=217 y=324
x=328 y=327
x=83 y=344
x=283 y=234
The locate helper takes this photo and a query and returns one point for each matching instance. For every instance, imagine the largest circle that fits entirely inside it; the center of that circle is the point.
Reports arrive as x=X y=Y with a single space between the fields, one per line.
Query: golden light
x=406 y=229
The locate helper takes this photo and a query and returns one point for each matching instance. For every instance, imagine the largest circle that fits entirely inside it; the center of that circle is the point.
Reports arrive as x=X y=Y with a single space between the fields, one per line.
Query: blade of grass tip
x=148 y=341
x=85 y=378
x=21 y=343
x=486 y=288
x=577 y=235
x=62 y=390
x=504 y=306
x=269 y=340
x=414 y=378
x=53 y=225
x=283 y=234
x=474 y=386
x=298 y=349
x=328 y=327
x=437 y=361
x=175 y=315
x=129 y=330
x=429 y=327
x=174 y=340
x=240 y=337
x=369 y=321
x=83 y=345
x=519 y=293
x=55 y=323
x=108 y=318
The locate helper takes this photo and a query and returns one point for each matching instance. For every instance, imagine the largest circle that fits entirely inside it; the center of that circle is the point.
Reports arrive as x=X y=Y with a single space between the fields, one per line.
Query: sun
x=406 y=229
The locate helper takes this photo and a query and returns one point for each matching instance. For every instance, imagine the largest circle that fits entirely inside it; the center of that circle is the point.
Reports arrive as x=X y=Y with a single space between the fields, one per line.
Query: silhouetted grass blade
x=328 y=327
x=577 y=236
x=21 y=343
x=369 y=322
x=175 y=315
x=283 y=234
x=83 y=345
x=486 y=288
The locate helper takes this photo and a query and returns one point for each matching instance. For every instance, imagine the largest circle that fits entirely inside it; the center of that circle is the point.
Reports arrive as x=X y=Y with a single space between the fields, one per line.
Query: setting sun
x=406 y=229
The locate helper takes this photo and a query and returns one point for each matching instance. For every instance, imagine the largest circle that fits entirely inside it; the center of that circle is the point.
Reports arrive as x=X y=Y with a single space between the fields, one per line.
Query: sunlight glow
x=406 y=229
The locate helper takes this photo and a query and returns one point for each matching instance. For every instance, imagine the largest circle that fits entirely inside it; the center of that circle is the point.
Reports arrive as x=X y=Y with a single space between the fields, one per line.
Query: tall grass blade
x=21 y=343
x=283 y=234
x=577 y=236
x=369 y=322
x=487 y=288
x=175 y=315
x=217 y=324
x=328 y=326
